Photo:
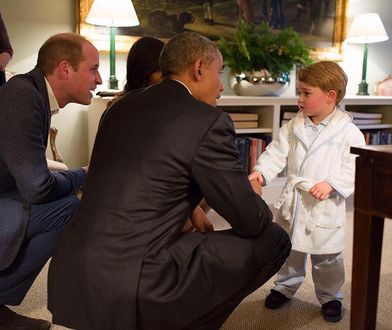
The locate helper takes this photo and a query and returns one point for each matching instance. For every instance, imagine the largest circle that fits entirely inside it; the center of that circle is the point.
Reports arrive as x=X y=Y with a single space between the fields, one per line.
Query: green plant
x=255 y=47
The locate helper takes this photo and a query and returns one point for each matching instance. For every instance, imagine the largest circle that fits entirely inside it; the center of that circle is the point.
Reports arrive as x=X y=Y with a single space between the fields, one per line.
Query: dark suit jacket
x=24 y=175
x=156 y=154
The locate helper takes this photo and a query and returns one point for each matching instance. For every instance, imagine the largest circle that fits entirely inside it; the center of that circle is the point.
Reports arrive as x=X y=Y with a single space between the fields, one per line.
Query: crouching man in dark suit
x=123 y=261
x=35 y=204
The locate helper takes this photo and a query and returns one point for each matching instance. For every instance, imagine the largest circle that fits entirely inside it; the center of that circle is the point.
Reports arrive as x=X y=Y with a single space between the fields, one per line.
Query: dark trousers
x=45 y=225
x=269 y=260
x=2 y=78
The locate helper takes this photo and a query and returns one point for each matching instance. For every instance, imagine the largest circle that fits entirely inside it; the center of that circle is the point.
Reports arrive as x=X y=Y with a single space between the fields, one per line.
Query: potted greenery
x=261 y=60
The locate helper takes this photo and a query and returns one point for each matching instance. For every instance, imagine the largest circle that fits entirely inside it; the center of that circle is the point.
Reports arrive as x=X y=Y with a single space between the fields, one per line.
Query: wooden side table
x=372 y=203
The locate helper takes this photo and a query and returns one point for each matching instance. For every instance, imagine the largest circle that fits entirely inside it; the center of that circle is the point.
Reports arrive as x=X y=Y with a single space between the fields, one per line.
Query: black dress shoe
x=9 y=320
x=275 y=300
x=332 y=311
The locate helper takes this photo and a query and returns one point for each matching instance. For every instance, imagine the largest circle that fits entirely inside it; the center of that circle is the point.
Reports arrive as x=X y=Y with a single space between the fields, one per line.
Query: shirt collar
x=324 y=122
x=183 y=85
x=53 y=104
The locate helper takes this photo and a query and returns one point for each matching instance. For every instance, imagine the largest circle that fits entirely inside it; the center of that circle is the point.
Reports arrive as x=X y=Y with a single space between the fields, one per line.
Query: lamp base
x=113 y=82
x=363 y=88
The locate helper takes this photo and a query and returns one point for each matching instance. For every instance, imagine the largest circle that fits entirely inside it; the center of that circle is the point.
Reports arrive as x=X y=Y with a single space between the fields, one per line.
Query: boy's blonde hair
x=326 y=75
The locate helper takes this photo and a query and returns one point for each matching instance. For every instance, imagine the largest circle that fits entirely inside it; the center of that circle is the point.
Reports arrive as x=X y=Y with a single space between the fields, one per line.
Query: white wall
x=380 y=54
x=30 y=23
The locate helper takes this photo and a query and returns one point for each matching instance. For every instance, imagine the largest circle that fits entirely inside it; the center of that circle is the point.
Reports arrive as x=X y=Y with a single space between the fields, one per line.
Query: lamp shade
x=112 y=13
x=366 y=28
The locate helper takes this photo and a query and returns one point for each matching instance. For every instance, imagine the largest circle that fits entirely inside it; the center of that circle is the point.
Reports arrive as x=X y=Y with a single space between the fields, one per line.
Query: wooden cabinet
x=373 y=180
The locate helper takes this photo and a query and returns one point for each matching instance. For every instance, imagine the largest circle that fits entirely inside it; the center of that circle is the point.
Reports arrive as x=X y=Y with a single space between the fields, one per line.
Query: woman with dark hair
x=143 y=63
x=5 y=50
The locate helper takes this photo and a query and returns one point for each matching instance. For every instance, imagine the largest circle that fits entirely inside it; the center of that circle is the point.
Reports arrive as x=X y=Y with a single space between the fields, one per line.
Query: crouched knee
x=273 y=244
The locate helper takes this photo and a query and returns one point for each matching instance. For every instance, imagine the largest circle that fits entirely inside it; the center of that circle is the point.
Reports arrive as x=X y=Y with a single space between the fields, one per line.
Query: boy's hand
x=321 y=190
x=256 y=181
x=256 y=176
x=257 y=187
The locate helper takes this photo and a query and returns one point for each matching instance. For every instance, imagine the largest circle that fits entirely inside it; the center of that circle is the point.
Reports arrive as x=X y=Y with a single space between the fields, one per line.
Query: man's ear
x=197 y=69
x=64 y=69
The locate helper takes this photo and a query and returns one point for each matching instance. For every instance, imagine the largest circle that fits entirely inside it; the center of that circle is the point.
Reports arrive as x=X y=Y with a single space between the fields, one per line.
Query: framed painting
x=321 y=23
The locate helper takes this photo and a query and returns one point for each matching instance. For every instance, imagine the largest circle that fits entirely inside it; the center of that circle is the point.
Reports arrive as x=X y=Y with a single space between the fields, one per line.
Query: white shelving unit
x=253 y=130
x=268 y=108
x=271 y=108
x=374 y=126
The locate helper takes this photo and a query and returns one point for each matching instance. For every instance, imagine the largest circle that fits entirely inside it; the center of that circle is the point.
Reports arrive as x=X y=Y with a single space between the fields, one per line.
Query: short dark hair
x=182 y=50
x=142 y=61
x=60 y=47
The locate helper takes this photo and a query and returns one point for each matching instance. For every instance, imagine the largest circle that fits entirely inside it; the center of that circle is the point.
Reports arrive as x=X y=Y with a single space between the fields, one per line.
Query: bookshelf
x=269 y=109
x=373 y=126
x=253 y=130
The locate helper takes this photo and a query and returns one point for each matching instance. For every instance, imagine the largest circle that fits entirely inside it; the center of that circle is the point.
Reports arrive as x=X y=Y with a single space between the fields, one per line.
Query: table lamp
x=113 y=13
x=366 y=29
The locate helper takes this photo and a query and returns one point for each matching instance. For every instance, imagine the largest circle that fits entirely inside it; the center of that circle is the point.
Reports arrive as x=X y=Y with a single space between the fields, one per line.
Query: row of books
x=378 y=136
x=250 y=149
x=250 y=120
x=287 y=116
x=374 y=136
x=244 y=119
x=366 y=118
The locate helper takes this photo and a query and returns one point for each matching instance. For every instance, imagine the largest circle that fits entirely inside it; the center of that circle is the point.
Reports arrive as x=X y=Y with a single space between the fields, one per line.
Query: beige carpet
x=303 y=312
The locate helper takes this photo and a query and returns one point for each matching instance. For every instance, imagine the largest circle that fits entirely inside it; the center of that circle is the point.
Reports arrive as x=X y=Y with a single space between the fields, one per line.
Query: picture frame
x=321 y=23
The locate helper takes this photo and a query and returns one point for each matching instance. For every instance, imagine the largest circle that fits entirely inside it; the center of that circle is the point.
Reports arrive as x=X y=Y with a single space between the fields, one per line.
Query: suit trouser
x=2 y=78
x=327 y=273
x=45 y=225
x=268 y=266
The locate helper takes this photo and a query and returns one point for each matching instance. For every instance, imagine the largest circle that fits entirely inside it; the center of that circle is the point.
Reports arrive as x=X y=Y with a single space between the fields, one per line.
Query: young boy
x=315 y=147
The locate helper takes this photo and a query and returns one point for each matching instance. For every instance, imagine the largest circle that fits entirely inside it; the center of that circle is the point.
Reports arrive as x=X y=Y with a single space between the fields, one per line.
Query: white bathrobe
x=315 y=227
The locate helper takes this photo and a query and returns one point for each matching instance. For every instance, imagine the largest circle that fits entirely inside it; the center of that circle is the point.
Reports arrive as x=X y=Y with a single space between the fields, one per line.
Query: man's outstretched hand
x=200 y=220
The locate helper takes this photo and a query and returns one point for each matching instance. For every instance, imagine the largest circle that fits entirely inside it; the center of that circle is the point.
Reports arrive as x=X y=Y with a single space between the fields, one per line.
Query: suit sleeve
x=24 y=147
x=217 y=169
